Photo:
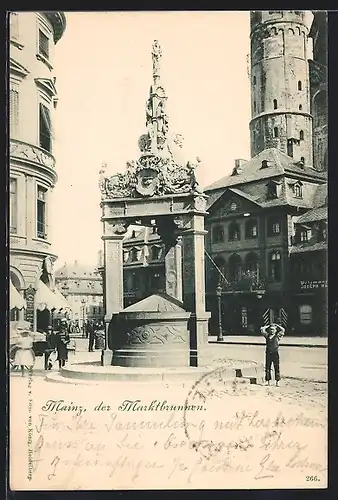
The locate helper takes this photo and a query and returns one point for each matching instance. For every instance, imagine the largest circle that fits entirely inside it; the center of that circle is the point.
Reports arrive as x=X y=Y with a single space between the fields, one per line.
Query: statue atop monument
x=156 y=56
x=156 y=172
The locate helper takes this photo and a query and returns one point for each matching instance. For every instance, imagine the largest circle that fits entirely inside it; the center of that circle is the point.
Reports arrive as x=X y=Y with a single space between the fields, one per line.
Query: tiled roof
x=279 y=164
x=309 y=247
x=314 y=215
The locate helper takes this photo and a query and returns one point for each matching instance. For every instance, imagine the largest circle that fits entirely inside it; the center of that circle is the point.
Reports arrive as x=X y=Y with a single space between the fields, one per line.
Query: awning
x=15 y=299
x=45 y=298
x=63 y=303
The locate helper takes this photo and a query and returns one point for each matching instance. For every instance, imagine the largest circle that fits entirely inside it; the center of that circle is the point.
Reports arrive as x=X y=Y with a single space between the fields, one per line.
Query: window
x=254 y=105
x=235 y=267
x=301 y=135
x=300 y=107
x=134 y=254
x=218 y=234
x=14 y=111
x=233 y=207
x=155 y=281
x=297 y=191
x=45 y=128
x=302 y=160
x=155 y=253
x=275 y=132
x=305 y=314
x=251 y=230
x=275 y=265
x=264 y=164
x=13 y=207
x=304 y=236
x=299 y=85
x=254 y=79
x=41 y=212
x=275 y=104
x=234 y=232
x=274 y=227
x=14 y=25
x=272 y=190
x=43 y=44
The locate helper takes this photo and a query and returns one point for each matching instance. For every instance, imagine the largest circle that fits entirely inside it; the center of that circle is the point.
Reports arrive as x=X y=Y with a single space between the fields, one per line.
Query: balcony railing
x=246 y=282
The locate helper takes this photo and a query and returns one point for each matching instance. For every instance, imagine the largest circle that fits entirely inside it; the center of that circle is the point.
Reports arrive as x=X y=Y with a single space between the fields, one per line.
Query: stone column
x=113 y=279
x=173 y=272
x=194 y=289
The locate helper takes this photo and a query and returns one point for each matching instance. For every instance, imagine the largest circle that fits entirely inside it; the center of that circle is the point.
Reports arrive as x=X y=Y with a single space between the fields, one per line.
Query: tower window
x=302 y=159
x=301 y=135
x=275 y=104
x=254 y=80
x=300 y=107
x=299 y=85
x=275 y=132
x=254 y=105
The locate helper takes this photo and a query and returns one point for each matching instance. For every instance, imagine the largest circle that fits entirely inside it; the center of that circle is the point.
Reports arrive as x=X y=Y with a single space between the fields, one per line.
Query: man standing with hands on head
x=272 y=333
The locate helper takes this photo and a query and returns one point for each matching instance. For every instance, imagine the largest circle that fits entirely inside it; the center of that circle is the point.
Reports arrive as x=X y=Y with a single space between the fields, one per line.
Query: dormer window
x=297 y=190
x=265 y=164
x=305 y=234
x=133 y=234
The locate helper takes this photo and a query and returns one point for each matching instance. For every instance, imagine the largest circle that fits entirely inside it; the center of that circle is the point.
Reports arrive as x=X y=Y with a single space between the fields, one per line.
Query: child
x=272 y=333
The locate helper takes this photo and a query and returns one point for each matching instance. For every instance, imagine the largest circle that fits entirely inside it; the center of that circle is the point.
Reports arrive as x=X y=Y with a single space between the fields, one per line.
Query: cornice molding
x=47 y=85
x=17 y=68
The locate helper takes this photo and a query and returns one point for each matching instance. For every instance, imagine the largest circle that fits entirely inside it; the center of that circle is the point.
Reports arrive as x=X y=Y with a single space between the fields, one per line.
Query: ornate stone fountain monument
x=159 y=331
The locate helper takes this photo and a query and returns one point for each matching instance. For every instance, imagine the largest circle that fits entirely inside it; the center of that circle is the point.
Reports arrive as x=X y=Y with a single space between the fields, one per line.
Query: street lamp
x=219 y=308
x=83 y=320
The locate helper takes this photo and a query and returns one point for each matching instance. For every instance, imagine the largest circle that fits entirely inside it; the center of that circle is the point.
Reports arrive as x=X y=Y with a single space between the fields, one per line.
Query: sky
x=103 y=70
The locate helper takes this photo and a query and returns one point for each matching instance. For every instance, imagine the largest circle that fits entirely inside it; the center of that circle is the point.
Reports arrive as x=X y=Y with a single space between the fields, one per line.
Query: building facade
x=82 y=287
x=32 y=103
x=256 y=211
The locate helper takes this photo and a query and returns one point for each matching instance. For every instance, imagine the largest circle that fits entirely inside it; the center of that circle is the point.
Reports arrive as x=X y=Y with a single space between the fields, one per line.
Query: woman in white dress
x=24 y=356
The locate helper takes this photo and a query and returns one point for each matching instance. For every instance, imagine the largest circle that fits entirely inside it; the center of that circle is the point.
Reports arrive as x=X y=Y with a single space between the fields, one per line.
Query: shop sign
x=313 y=284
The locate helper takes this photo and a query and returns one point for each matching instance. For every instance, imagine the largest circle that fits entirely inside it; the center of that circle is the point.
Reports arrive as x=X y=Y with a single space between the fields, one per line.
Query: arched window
x=275 y=104
x=275 y=131
x=299 y=85
x=234 y=232
x=251 y=229
x=275 y=267
x=218 y=234
x=291 y=32
x=302 y=159
x=301 y=135
x=305 y=314
x=252 y=265
x=235 y=267
x=300 y=107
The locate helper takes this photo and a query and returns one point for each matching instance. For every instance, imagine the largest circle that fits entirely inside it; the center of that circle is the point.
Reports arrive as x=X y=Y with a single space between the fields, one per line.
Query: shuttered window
x=14 y=111
x=43 y=44
x=41 y=212
x=45 y=125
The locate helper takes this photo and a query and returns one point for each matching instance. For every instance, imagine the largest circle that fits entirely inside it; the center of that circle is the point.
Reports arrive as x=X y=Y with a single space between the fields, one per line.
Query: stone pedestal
x=113 y=280
x=194 y=290
x=152 y=333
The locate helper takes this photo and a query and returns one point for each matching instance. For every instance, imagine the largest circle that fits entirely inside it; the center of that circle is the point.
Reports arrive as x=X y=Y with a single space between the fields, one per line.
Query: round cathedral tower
x=280 y=94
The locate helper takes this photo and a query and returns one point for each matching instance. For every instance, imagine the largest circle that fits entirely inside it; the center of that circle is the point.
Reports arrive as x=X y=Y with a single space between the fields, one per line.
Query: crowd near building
x=266 y=241
x=32 y=102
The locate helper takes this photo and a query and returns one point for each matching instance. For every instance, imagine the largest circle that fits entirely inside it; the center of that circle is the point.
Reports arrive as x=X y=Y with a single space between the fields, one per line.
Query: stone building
x=280 y=87
x=82 y=286
x=308 y=262
x=254 y=212
x=318 y=89
x=32 y=103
